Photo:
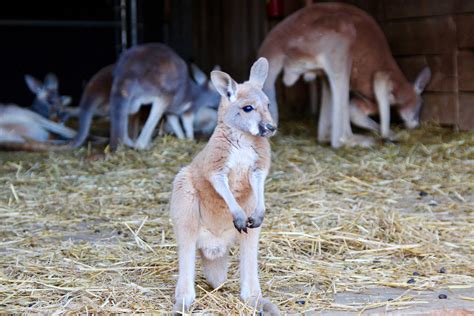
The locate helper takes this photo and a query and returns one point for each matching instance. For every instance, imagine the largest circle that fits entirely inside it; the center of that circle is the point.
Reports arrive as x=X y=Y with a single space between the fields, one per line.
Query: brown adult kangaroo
x=347 y=45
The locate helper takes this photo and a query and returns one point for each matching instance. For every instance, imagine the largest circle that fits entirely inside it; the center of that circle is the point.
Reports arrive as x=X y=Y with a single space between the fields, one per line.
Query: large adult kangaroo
x=347 y=45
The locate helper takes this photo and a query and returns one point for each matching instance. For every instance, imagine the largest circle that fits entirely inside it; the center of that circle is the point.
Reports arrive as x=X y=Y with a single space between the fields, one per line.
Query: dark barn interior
x=77 y=40
x=350 y=231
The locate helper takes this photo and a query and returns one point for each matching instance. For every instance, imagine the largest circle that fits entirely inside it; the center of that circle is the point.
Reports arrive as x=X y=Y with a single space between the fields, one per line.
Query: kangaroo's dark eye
x=268 y=104
x=247 y=108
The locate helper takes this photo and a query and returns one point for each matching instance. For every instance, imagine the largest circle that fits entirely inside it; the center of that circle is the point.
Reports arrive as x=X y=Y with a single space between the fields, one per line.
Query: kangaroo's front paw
x=240 y=222
x=256 y=219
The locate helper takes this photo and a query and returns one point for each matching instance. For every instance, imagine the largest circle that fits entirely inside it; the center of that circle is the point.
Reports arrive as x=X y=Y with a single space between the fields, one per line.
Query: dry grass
x=84 y=235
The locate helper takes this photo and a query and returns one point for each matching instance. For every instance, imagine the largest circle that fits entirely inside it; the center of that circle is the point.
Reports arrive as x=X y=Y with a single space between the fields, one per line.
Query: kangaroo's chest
x=240 y=162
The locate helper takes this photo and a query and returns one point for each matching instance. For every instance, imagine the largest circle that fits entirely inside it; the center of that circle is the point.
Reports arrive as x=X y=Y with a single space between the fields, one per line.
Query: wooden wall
x=438 y=33
x=228 y=33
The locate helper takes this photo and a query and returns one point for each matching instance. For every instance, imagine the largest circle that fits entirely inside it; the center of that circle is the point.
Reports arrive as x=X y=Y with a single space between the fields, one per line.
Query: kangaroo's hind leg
x=324 y=126
x=184 y=209
x=250 y=291
x=157 y=109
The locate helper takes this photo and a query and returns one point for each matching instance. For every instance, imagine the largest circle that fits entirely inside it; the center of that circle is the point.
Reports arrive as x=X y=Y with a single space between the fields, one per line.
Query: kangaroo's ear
x=224 y=84
x=199 y=76
x=259 y=72
x=210 y=85
x=66 y=100
x=422 y=80
x=34 y=84
x=51 y=82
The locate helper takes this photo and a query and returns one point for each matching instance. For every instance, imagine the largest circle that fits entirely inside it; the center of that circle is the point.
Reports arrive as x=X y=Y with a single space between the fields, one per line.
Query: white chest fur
x=242 y=157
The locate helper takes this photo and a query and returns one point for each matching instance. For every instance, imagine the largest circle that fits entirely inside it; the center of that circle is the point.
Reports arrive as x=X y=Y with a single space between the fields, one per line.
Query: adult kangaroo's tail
x=87 y=106
x=118 y=119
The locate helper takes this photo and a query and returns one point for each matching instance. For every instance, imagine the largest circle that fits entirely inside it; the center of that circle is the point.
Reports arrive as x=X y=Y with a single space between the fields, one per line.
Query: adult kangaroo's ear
x=199 y=76
x=34 y=84
x=51 y=82
x=66 y=100
x=422 y=80
x=259 y=72
x=224 y=84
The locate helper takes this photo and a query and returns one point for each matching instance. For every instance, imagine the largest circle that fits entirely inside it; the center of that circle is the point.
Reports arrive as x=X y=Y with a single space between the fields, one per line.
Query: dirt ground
x=370 y=231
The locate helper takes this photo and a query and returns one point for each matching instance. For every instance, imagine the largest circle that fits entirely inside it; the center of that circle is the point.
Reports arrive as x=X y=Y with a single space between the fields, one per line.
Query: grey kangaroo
x=24 y=129
x=48 y=102
x=95 y=101
x=153 y=73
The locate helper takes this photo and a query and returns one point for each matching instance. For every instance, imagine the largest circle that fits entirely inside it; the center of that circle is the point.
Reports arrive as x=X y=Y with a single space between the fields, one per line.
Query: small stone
x=411 y=281
x=416 y=273
x=422 y=193
x=442 y=270
x=31 y=305
x=432 y=203
x=442 y=296
x=119 y=232
x=390 y=299
x=300 y=302
x=97 y=231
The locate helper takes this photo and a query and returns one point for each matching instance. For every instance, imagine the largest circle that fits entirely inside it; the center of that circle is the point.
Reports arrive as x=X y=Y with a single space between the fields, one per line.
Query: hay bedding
x=88 y=236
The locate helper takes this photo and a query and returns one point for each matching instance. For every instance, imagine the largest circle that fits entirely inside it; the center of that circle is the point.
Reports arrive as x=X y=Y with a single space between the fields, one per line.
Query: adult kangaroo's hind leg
x=337 y=67
x=119 y=105
x=324 y=125
x=157 y=109
x=184 y=209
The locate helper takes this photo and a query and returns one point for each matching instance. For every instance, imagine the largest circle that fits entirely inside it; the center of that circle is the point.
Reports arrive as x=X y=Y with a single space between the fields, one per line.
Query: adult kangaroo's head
x=48 y=102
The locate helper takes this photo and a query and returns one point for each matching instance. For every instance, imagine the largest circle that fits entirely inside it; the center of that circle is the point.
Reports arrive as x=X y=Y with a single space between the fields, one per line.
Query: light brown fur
x=218 y=198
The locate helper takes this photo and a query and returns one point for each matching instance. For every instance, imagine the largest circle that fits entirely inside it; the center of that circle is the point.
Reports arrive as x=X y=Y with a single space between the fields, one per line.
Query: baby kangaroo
x=219 y=198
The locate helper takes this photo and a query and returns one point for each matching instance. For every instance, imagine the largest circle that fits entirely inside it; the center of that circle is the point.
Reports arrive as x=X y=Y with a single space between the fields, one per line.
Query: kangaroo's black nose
x=270 y=127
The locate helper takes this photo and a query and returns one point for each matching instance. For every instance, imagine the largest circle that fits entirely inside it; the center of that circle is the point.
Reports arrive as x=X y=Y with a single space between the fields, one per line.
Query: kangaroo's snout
x=266 y=129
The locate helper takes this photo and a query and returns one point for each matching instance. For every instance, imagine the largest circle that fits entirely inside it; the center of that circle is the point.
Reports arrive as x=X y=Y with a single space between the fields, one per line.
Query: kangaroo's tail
x=118 y=119
x=87 y=106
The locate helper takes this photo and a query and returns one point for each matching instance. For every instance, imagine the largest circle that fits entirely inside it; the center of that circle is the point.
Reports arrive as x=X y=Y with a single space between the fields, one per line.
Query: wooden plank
x=426 y=303
x=465 y=30
x=466 y=70
x=374 y=7
x=439 y=107
x=400 y=9
x=396 y=9
x=466 y=111
x=443 y=78
x=435 y=35
x=464 y=6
